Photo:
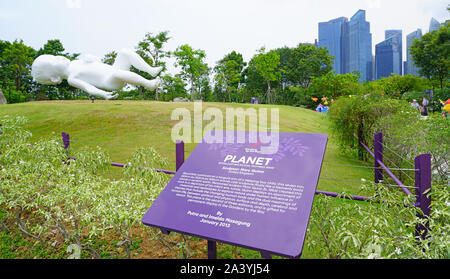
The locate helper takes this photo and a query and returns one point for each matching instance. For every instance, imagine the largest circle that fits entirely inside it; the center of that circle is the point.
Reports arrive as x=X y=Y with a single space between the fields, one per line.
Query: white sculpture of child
x=92 y=76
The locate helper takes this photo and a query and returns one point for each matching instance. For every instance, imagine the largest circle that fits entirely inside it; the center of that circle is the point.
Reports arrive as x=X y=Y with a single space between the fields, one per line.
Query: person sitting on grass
x=92 y=76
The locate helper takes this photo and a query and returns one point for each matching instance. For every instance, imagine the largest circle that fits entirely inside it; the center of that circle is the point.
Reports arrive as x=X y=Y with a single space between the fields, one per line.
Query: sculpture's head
x=49 y=69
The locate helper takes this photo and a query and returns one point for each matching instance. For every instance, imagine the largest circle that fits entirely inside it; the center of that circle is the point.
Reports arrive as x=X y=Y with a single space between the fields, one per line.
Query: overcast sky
x=218 y=27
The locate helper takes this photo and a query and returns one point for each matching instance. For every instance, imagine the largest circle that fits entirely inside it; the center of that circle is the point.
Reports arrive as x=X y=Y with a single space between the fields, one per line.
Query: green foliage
x=151 y=49
x=417 y=136
x=267 y=65
x=356 y=115
x=45 y=194
x=305 y=63
x=333 y=86
x=191 y=63
x=15 y=61
x=431 y=54
x=380 y=228
x=438 y=96
x=229 y=73
x=396 y=85
x=52 y=47
x=173 y=87
x=414 y=95
x=110 y=58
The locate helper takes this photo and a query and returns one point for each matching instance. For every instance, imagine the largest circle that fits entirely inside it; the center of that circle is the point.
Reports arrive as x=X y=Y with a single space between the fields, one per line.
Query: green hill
x=122 y=126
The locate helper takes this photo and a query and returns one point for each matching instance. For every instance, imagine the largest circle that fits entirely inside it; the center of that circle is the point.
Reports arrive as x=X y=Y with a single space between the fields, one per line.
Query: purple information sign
x=238 y=194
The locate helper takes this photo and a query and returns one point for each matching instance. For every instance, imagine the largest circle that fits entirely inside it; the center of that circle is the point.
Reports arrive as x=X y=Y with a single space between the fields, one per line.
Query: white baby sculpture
x=92 y=76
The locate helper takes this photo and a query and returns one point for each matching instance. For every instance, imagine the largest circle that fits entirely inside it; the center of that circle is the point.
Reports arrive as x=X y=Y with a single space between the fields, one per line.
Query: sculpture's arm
x=90 y=89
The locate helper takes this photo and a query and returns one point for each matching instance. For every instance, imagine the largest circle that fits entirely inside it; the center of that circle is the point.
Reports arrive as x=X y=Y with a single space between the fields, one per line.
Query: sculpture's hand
x=111 y=96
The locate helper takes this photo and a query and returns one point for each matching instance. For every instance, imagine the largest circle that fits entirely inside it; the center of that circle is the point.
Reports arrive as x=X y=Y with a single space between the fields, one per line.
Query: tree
x=332 y=85
x=191 y=63
x=401 y=84
x=16 y=59
x=172 y=87
x=432 y=54
x=307 y=62
x=267 y=66
x=151 y=48
x=228 y=72
x=52 y=47
x=110 y=58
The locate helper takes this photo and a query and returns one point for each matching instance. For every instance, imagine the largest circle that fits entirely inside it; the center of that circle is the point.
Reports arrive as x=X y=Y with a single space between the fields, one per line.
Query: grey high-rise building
x=411 y=68
x=332 y=35
x=360 y=46
x=434 y=25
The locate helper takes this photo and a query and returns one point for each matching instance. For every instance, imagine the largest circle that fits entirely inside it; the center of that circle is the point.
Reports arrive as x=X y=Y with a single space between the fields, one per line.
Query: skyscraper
x=388 y=55
x=360 y=46
x=397 y=36
x=411 y=68
x=434 y=25
x=384 y=59
x=332 y=36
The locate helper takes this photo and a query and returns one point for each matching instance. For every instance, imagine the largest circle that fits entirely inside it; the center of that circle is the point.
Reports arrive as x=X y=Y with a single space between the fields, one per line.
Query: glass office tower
x=360 y=46
x=434 y=24
x=384 y=58
x=388 y=55
x=397 y=50
x=332 y=35
x=411 y=68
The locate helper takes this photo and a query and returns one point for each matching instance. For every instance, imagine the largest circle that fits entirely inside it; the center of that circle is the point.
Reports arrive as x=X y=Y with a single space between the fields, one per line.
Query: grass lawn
x=120 y=127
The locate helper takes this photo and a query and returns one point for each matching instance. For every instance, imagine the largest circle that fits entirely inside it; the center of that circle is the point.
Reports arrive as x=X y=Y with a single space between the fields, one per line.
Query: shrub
x=383 y=227
x=354 y=116
x=417 y=136
x=43 y=193
x=442 y=94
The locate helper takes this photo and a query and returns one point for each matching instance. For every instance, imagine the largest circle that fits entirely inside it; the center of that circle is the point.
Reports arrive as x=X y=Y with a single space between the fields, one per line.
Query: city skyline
x=345 y=43
x=98 y=27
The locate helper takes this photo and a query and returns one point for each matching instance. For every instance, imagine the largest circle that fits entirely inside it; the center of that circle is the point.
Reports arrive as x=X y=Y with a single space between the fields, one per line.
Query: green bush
x=354 y=116
x=408 y=135
x=414 y=95
x=43 y=193
x=383 y=227
x=442 y=94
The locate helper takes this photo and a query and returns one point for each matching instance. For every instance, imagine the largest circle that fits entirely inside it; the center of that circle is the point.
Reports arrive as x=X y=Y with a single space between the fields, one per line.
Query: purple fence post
x=212 y=250
x=423 y=183
x=179 y=153
x=66 y=139
x=378 y=152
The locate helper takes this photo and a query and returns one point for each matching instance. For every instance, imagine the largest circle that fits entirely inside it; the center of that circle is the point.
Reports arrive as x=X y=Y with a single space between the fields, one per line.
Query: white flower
x=363 y=180
x=398 y=251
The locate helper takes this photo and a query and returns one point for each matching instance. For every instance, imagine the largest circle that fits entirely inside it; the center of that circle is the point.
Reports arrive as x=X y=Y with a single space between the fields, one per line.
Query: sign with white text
x=234 y=193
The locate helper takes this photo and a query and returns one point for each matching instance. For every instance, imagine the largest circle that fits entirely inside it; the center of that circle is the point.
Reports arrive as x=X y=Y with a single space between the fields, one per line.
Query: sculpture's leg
x=135 y=79
x=127 y=58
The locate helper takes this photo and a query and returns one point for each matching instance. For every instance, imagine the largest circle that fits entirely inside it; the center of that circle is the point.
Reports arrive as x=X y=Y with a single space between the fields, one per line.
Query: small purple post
x=265 y=255
x=378 y=152
x=212 y=250
x=423 y=184
x=65 y=139
x=179 y=153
